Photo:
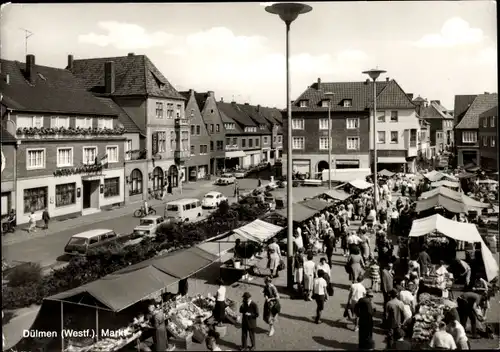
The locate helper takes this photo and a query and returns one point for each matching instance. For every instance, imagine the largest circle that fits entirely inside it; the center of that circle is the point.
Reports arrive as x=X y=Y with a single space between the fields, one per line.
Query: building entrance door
x=86 y=193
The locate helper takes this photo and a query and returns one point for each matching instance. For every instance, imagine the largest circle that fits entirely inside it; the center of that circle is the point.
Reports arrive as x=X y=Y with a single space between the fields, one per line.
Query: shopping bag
x=281 y=265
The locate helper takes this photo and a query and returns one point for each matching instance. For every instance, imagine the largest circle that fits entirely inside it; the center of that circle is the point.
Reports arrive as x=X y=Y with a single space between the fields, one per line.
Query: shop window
x=111 y=187
x=135 y=182
x=65 y=194
x=35 y=199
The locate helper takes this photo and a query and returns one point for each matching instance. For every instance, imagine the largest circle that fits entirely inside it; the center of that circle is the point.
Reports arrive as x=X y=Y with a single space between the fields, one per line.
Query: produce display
x=430 y=313
x=232 y=316
x=434 y=281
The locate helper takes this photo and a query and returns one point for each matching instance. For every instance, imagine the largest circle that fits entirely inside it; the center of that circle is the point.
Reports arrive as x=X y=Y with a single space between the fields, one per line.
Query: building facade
x=70 y=146
x=8 y=166
x=274 y=118
x=198 y=164
x=468 y=108
x=488 y=138
x=154 y=106
x=440 y=123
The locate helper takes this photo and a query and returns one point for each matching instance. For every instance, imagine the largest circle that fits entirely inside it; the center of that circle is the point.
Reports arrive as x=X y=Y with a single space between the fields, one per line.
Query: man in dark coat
x=46 y=218
x=249 y=312
x=364 y=310
x=329 y=242
x=387 y=284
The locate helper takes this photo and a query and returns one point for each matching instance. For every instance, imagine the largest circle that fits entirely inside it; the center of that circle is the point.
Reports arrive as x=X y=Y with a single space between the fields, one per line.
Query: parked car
x=80 y=244
x=148 y=226
x=240 y=173
x=213 y=199
x=225 y=179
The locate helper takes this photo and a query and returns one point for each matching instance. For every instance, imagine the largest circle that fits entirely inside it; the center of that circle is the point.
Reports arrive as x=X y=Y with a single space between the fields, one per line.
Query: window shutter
x=154 y=146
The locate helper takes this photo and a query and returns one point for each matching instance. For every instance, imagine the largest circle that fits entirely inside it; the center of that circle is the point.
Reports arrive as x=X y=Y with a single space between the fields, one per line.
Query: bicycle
x=139 y=213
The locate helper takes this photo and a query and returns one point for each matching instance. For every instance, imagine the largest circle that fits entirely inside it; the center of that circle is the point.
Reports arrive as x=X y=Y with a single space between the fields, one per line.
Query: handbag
x=281 y=265
x=329 y=289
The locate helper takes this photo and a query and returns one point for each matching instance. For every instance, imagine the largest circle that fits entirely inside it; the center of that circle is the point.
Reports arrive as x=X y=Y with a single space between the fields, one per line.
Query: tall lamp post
x=329 y=95
x=374 y=74
x=288 y=12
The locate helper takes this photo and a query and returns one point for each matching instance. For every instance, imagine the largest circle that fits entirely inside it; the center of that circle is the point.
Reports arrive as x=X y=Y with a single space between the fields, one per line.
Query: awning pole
x=62 y=326
x=97 y=324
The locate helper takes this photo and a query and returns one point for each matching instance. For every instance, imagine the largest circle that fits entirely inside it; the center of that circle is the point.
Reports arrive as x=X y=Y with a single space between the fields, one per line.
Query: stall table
x=228 y=271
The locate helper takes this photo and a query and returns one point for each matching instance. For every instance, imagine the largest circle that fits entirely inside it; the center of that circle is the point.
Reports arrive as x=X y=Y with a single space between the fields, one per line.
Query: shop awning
x=447 y=183
x=316 y=204
x=458 y=231
x=360 y=184
x=346 y=162
x=221 y=246
x=258 y=231
x=434 y=176
x=392 y=159
x=386 y=173
x=120 y=290
x=451 y=205
x=469 y=202
x=337 y=194
x=300 y=212
x=235 y=154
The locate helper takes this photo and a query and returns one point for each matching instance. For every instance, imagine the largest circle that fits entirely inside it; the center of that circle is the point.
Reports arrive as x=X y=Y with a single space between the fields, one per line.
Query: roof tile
x=482 y=103
x=127 y=121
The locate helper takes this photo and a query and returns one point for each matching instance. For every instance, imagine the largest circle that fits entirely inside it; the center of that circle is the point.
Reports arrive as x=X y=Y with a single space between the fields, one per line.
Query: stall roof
x=300 y=212
x=466 y=174
x=337 y=194
x=447 y=183
x=434 y=176
x=386 y=173
x=451 y=205
x=360 y=184
x=258 y=231
x=121 y=290
x=316 y=204
x=458 y=231
x=470 y=203
x=220 y=246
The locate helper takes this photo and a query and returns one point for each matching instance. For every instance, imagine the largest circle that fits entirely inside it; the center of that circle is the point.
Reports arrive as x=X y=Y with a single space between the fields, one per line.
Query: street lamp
x=288 y=12
x=329 y=95
x=374 y=74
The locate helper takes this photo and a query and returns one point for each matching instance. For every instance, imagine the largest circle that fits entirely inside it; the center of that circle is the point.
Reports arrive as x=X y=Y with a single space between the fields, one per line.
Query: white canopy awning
x=458 y=231
x=447 y=183
x=258 y=231
x=392 y=159
x=360 y=184
x=235 y=154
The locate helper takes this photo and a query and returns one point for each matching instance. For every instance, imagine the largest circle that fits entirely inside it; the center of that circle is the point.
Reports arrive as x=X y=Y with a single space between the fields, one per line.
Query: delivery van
x=183 y=210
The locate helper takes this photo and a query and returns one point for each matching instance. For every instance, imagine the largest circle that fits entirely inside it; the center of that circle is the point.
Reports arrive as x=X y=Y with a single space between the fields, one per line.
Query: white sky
x=433 y=49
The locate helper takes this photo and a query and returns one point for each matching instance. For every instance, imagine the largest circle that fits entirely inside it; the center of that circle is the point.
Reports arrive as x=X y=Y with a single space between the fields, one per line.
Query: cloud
x=265 y=4
x=455 y=32
x=125 y=36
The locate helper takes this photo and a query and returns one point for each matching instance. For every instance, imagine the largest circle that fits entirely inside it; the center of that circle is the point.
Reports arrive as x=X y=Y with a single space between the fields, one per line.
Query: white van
x=183 y=210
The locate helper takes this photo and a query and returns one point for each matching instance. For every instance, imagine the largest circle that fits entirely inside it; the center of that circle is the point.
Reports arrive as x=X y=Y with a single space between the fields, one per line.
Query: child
x=375 y=276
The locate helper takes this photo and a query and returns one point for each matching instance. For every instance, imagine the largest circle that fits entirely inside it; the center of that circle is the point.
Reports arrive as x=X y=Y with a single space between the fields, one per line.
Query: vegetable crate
x=183 y=343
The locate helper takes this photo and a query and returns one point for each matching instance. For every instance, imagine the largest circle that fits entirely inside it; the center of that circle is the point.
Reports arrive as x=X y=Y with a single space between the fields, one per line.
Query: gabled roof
x=234 y=113
x=418 y=99
x=441 y=110
x=482 y=103
x=462 y=104
x=53 y=90
x=435 y=111
x=273 y=115
x=389 y=95
x=127 y=122
x=201 y=98
x=252 y=112
x=135 y=75
x=6 y=137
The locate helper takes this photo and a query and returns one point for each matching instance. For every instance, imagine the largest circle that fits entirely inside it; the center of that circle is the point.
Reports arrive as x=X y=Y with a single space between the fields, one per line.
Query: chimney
x=70 y=63
x=410 y=96
x=387 y=79
x=109 y=77
x=221 y=99
x=130 y=54
x=319 y=84
x=7 y=79
x=486 y=92
x=258 y=108
x=211 y=93
x=30 y=67
x=247 y=104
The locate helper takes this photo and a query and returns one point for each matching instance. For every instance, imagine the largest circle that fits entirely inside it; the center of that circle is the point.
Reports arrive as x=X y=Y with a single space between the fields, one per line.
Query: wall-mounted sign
x=78 y=192
x=3 y=161
x=51 y=200
x=101 y=188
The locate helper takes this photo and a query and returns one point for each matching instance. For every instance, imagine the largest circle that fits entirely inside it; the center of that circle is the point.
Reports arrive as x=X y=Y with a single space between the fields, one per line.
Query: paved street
x=45 y=247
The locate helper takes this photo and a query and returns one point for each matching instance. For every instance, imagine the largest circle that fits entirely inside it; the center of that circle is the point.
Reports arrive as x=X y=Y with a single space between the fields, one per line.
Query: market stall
x=360 y=184
x=440 y=201
x=300 y=213
x=459 y=232
x=335 y=194
x=446 y=183
x=434 y=176
x=470 y=203
x=316 y=204
x=386 y=173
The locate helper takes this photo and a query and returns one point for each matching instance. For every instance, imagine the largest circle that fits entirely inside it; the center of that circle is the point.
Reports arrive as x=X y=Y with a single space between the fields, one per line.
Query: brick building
x=9 y=148
x=440 y=123
x=70 y=145
x=488 y=138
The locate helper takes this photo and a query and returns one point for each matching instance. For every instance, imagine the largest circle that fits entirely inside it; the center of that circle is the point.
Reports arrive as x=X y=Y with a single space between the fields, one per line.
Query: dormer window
x=347 y=103
x=303 y=103
x=325 y=103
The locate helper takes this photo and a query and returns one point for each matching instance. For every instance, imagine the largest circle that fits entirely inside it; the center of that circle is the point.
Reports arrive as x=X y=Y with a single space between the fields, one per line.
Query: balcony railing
x=232 y=147
x=182 y=154
x=182 y=122
x=62 y=132
x=137 y=154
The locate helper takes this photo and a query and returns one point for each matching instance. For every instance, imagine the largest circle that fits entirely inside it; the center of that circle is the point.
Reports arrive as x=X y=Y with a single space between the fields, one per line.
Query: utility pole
x=27 y=34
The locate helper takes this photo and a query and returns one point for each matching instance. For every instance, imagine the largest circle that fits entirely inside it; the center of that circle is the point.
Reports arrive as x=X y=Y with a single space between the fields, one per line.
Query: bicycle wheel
x=138 y=213
x=152 y=211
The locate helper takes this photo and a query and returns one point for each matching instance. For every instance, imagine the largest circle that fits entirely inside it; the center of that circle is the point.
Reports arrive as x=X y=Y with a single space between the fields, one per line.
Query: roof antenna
x=27 y=34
